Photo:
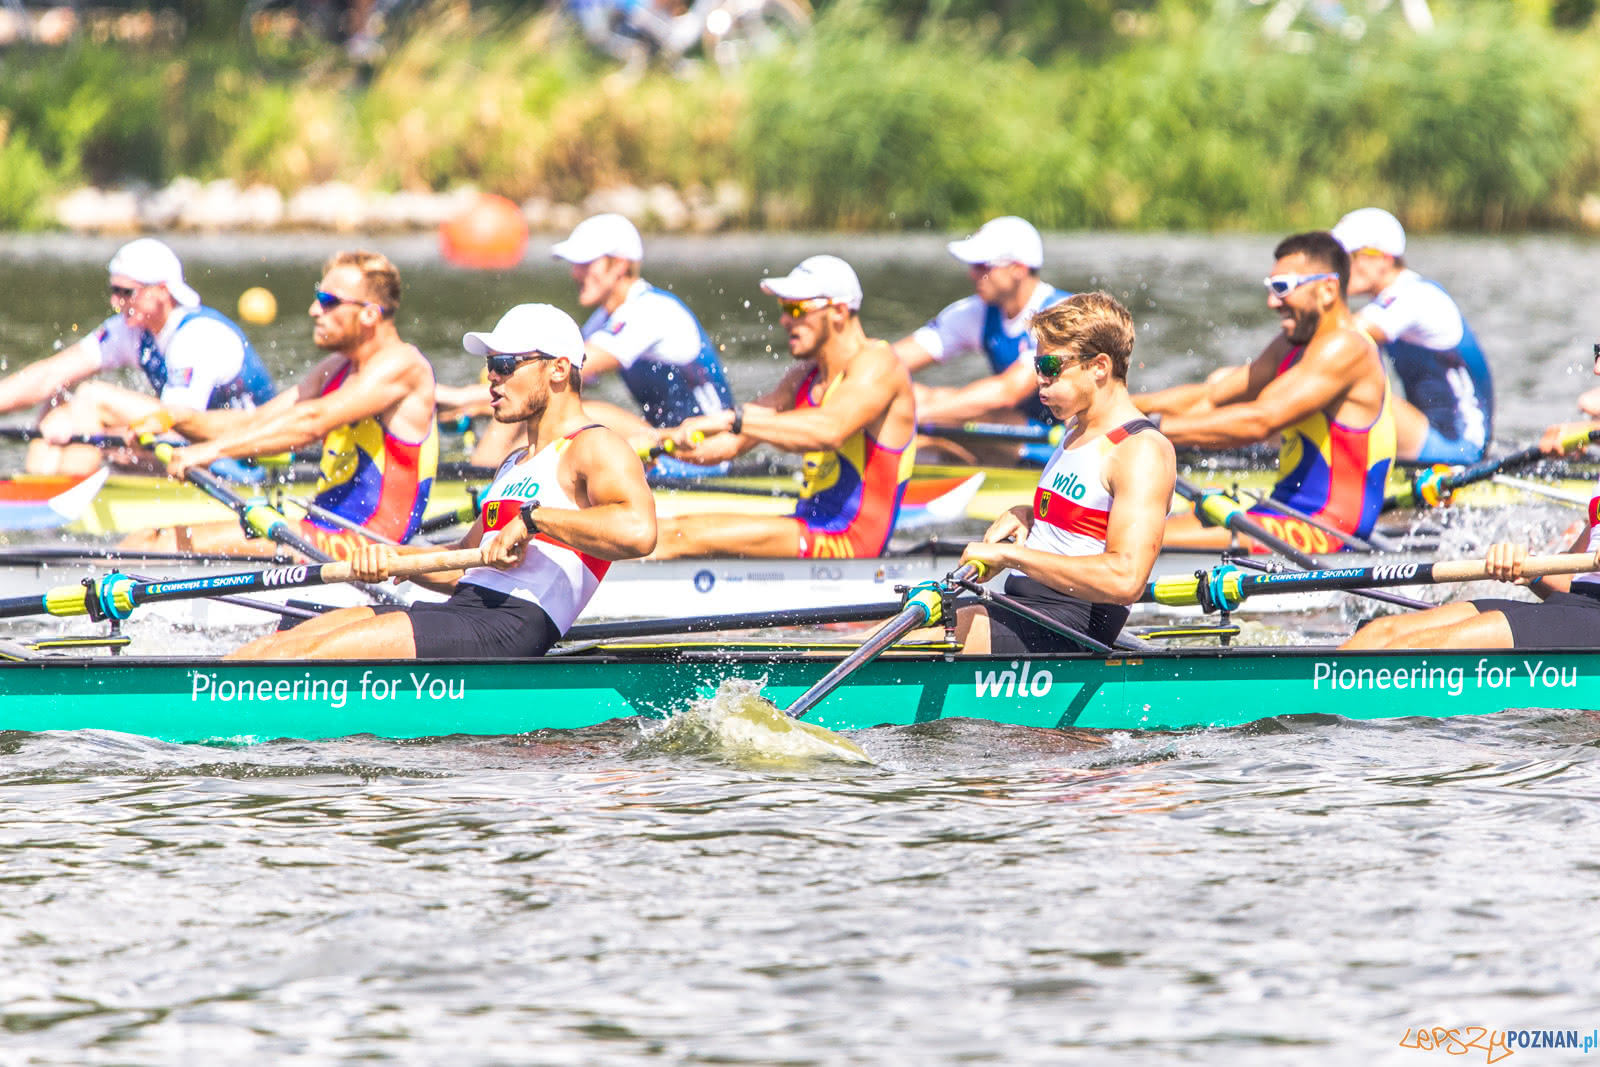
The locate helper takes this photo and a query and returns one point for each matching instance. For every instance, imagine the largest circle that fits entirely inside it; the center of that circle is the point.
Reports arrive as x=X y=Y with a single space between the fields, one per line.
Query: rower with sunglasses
x=1003 y=259
x=646 y=335
x=1320 y=384
x=549 y=526
x=369 y=401
x=846 y=404
x=191 y=355
x=1447 y=415
x=1082 y=552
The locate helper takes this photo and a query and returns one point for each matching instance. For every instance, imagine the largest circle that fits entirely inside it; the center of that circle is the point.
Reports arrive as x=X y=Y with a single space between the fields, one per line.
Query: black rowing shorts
x=478 y=623
x=1564 y=620
x=1010 y=632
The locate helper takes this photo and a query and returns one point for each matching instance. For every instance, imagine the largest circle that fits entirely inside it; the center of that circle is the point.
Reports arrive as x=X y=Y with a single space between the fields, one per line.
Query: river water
x=1305 y=891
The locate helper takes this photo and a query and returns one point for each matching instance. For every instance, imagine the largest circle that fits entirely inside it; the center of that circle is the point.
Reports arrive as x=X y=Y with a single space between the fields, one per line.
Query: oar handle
x=1472 y=570
x=412 y=565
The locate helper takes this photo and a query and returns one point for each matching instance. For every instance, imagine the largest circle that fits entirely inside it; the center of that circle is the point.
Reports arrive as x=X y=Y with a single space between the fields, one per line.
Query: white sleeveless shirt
x=557 y=577
x=1072 y=503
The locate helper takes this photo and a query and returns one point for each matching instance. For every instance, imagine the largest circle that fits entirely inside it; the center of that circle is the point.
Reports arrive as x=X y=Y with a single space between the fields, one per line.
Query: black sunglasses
x=122 y=292
x=328 y=301
x=505 y=364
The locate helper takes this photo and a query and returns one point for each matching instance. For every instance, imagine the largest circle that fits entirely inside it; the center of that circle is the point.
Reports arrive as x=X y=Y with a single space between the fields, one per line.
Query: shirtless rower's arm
x=1140 y=475
x=1321 y=377
x=1008 y=389
x=38 y=382
x=863 y=395
x=720 y=442
x=618 y=523
x=377 y=386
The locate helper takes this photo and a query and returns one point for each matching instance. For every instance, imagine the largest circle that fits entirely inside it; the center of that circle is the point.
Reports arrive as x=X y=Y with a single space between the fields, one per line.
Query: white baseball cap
x=1006 y=239
x=149 y=262
x=1371 y=227
x=601 y=235
x=530 y=328
x=827 y=276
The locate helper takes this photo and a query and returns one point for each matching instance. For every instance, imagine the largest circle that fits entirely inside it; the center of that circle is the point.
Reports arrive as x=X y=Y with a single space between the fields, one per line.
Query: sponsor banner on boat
x=1449 y=681
x=408 y=685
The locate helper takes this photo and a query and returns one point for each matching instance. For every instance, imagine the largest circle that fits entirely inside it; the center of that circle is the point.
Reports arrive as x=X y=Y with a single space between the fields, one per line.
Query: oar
x=116 y=595
x=335 y=519
x=923 y=608
x=997 y=431
x=266 y=521
x=1227 y=512
x=1549 y=492
x=1225 y=587
x=1434 y=485
x=24 y=433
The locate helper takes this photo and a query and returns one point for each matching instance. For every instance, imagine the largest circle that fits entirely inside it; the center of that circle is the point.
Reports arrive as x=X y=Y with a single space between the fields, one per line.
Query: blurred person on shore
x=642 y=333
x=1003 y=259
x=192 y=356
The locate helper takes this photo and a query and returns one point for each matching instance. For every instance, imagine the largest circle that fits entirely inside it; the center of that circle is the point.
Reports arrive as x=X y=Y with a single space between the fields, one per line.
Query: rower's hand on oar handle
x=1566 y=438
x=505 y=547
x=180 y=460
x=989 y=557
x=372 y=562
x=1504 y=561
x=154 y=424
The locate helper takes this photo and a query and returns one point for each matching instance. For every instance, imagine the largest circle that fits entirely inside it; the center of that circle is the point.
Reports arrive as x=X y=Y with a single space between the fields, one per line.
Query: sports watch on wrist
x=528 y=508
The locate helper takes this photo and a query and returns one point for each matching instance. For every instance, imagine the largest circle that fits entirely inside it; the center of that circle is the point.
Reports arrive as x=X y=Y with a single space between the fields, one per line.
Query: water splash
x=739 y=726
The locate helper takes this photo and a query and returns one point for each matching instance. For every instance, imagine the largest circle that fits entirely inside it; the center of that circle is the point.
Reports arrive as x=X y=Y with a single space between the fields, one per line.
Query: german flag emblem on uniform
x=491 y=515
x=1044 y=504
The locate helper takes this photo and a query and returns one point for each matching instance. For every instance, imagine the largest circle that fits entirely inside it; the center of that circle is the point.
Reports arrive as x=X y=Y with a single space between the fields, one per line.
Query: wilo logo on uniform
x=1069 y=485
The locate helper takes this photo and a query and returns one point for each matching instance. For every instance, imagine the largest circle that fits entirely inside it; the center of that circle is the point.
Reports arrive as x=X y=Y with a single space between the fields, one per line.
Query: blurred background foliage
x=891 y=114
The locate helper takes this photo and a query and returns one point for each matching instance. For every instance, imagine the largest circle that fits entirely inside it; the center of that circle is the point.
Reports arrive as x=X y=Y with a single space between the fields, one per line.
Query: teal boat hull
x=209 y=701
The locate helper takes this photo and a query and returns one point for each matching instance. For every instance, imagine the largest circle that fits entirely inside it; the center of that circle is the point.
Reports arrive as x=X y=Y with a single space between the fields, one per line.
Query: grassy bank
x=1198 y=124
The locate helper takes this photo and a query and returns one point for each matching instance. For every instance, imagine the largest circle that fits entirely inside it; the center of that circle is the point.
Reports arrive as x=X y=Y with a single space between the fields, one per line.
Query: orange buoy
x=491 y=234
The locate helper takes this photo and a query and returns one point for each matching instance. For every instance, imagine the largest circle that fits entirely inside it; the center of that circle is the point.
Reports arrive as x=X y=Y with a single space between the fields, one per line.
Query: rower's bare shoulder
x=1345 y=346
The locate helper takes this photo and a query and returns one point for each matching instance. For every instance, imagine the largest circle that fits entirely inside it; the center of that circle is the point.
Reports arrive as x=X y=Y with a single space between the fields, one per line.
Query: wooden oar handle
x=1471 y=570
x=409 y=566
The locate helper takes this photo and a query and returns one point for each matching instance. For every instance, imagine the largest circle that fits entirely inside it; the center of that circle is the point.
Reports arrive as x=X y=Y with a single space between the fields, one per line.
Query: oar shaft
x=1228 y=586
x=922 y=609
x=118 y=595
x=1430 y=488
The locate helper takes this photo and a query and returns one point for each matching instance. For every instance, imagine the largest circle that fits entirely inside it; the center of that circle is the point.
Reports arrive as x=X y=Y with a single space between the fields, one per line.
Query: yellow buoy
x=258 y=306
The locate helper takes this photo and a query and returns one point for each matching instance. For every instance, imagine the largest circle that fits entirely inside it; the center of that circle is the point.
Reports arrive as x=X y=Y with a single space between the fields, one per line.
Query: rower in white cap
x=1003 y=258
x=193 y=357
x=1448 y=412
x=645 y=334
x=551 y=522
x=847 y=404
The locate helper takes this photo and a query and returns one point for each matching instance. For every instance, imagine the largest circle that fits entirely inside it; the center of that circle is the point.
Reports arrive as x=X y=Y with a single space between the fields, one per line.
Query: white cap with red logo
x=530 y=328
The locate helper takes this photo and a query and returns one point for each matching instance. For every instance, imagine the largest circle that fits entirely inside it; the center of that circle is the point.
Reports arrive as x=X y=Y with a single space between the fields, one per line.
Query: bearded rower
x=551 y=523
x=1003 y=259
x=190 y=354
x=1321 y=385
x=371 y=404
x=846 y=404
x=1082 y=553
